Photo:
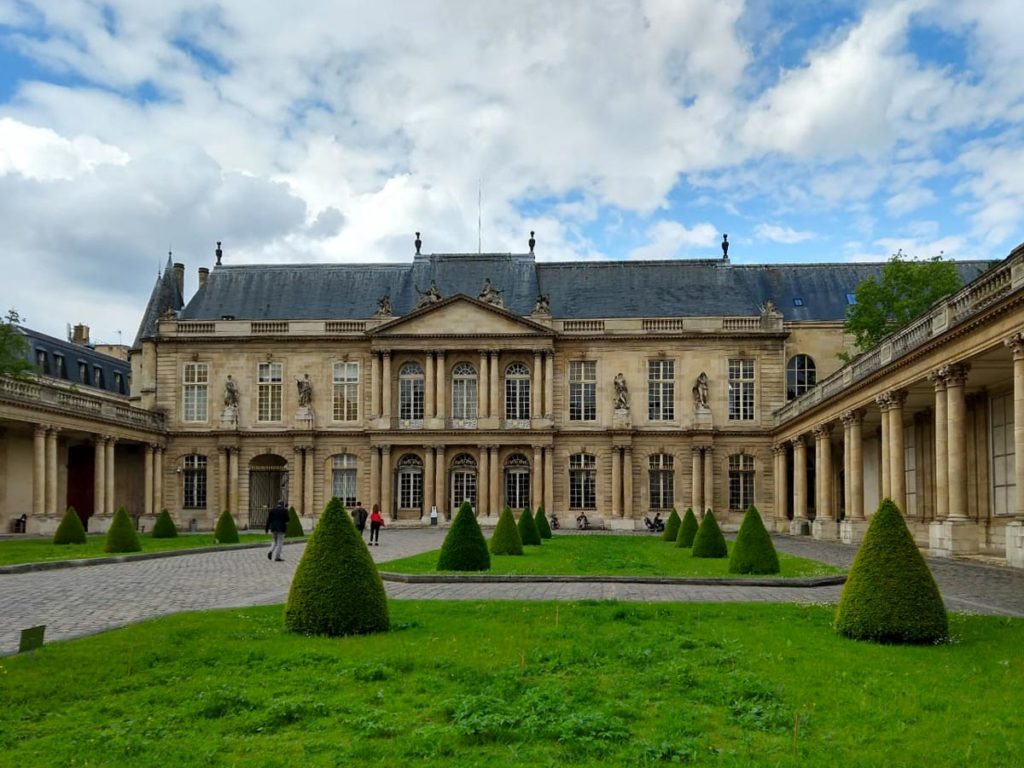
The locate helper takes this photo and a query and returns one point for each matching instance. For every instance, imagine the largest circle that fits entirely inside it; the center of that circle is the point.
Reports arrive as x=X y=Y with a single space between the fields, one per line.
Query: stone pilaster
x=442 y=391
x=385 y=389
x=111 y=475
x=495 y=466
x=824 y=526
x=429 y=386
x=1015 y=529
x=616 y=482
x=549 y=385
x=51 y=471
x=853 y=528
x=549 y=481
x=536 y=406
x=627 y=482
x=147 y=473
x=428 y=481
x=374 y=386
x=885 y=471
x=298 y=481
x=99 y=475
x=781 y=487
x=957 y=534
x=537 y=478
x=386 y=482
x=440 y=491
x=897 y=459
x=484 y=406
x=308 y=489
x=696 y=482
x=483 y=486
x=39 y=470
x=799 y=524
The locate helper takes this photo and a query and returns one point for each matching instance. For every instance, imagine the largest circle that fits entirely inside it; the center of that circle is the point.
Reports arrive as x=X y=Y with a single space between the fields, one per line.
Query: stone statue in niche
x=621 y=393
x=490 y=294
x=700 y=392
x=384 y=307
x=230 y=393
x=305 y=387
x=429 y=296
x=542 y=306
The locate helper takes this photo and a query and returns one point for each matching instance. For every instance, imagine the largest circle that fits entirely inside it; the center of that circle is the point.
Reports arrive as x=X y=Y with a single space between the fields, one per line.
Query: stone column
x=938 y=379
x=111 y=487
x=616 y=482
x=385 y=481
x=51 y=471
x=897 y=460
x=39 y=469
x=956 y=432
x=824 y=521
x=99 y=475
x=298 y=481
x=428 y=481
x=374 y=493
x=781 y=488
x=537 y=478
x=440 y=493
x=549 y=481
x=696 y=491
x=158 y=477
x=308 y=492
x=233 y=494
x=627 y=482
x=799 y=486
x=549 y=385
x=484 y=406
x=374 y=385
x=222 y=481
x=495 y=482
x=496 y=410
x=709 y=478
x=441 y=392
x=844 y=420
x=536 y=406
x=882 y=401
x=483 y=485
x=147 y=504
x=853 y=527
x=385 y=389
x=429 y=382
x=1016 y=345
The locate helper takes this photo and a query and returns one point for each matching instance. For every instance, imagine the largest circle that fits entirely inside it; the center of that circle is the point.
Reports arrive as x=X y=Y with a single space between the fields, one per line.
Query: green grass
x=14 y=551
x=506 y=684
x=611 y=556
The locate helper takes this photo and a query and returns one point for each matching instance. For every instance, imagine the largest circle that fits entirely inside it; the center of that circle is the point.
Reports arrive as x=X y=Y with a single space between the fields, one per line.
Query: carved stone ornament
x=542 y=306
x=429 y=296
x=621 y=393
x=230 y=393
x=700 y=392
x=305 y=387
x=384 y=307
x=491 y=295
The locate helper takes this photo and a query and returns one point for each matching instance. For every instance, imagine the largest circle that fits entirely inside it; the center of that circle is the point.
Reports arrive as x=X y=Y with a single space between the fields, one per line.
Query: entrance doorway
x=81 y=490
x=463 y=482
x=268 y=483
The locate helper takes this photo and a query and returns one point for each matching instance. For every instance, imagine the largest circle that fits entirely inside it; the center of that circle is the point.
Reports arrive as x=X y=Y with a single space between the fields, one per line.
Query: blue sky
x=832 y=131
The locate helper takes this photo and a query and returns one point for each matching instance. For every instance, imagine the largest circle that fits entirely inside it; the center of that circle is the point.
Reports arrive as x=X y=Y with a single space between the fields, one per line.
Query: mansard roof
x=589 y=289
x=74 y=354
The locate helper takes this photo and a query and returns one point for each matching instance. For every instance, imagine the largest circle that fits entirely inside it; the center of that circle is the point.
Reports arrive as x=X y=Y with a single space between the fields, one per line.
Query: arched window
x=741 y=481
x=410 y=481
x=517 y=392
x=582 y=481
x=800 y=375
x=343 y=478
x=410 y=392
x=193 y=479
x=464 y=392
x=517 y=481
x=662 y=483
x=463 y=471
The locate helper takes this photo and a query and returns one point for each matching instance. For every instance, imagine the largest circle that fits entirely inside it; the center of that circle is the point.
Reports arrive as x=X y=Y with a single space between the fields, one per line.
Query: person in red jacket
x=376 y=521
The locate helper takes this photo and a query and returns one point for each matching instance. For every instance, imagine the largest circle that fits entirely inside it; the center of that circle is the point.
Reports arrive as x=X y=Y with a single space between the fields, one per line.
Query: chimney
x=204 y=273
x=81 y=335
x=179 y=277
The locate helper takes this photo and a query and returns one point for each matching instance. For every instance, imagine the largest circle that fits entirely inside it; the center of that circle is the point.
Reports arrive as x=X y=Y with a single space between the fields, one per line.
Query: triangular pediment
x=461 y=315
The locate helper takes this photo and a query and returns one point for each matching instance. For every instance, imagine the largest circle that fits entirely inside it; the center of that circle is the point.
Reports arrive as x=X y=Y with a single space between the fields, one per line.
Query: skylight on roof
x=798 y=302
x=851 y=299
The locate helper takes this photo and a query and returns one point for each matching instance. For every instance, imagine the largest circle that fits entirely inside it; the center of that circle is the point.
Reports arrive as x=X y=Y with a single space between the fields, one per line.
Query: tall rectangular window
x=662 y=485
x=741 y=390
x=194 y=482
x=195 y=378
x=270 y=376
x=1004 y=481
x=343 y=478
x=661 y=389
x=346 y=392
x=582 y=481
x=410 y=489
x=583 y=390
x=741 y=481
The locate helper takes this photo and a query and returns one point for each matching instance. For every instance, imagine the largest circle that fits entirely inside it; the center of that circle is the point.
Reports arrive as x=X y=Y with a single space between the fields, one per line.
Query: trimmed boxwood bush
x=543 y=527
x=294 y=528
x=671 y=526
x=464 y=547
x=890 y=595
x=336 y=589
x=70 y=530
x=528 y=529
x=506 y=539
x=753 y=551
x=709 y=541
x=687 y=530
x=164 y=527
x=121 y=536
x=225 y=532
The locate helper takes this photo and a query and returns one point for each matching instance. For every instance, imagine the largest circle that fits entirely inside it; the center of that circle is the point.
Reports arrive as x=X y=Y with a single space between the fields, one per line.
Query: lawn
x=610 y=556
x=504 y=683
x=14 y=551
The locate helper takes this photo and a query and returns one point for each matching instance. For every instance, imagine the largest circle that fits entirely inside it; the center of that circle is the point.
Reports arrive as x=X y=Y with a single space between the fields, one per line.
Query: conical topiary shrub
x=528 y=529
x=225 y=532
x=890 y=595
x=506 y=539
x=121 y=536
x=543 y=527
x=709 y=541
x=753 y=551
x=294 y=528
x=336 y=589
x=70 y=530
x=671 y=526
x=464 y=547
x=687 y=530
x=164 y=527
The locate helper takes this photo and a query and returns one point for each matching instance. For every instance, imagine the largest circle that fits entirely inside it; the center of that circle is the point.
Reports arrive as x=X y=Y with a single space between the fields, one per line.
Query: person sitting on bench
x=581 y=522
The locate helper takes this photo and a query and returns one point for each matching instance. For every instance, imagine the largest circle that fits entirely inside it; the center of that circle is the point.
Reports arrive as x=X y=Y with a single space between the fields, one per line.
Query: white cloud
x=39 y=153
x=668 y=238
x=909 y=200
x=779 y=234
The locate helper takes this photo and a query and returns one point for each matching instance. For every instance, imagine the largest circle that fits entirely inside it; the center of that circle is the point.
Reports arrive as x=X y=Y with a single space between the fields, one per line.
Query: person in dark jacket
x=359 y=515
x=277 y=524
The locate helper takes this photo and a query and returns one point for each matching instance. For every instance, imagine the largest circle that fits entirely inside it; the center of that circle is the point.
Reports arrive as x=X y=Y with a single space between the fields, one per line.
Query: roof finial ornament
x=725 y=247
x=532 y=241
x=219 y=253
x=419 y=243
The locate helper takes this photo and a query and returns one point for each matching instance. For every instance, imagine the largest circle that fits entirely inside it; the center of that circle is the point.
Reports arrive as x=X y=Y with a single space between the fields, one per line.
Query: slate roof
x=73 y=354
x=166 y=295
x=588 y=289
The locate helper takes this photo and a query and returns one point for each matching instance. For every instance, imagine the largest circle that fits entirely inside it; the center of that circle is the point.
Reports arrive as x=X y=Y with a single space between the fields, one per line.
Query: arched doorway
x=409 y=487
x=462 y=483
x=517 y=481
x=268 y=483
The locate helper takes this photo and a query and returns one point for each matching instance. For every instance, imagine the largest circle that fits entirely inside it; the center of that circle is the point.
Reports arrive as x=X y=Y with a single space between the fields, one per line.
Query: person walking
x=376 y=522
x=359 y=515
x=277 y=524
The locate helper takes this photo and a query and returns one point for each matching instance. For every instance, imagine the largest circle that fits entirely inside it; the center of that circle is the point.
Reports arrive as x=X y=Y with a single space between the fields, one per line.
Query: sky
x=840 y=130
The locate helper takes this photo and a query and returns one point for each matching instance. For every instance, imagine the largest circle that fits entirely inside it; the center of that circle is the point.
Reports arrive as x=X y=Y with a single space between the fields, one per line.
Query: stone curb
x=408 y=578
x=53 y=565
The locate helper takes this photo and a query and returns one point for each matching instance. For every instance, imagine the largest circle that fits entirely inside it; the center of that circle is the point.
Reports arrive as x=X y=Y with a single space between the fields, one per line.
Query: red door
x=81 y=461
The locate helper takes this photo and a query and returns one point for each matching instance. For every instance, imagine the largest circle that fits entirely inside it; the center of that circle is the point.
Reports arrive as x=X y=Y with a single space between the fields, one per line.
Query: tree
x=164 y=527
x=753 y=551
x=336 y=589
x=121 y=536
x=70 y=530
x=906 y=289
x=528 y=532
x=225 y=532
x=13 y=348
x=672 y=526
x=294 y=529
x=709 y=541
x=506 y=539
x=687 y=530
x=543 y=526
x=464 y=548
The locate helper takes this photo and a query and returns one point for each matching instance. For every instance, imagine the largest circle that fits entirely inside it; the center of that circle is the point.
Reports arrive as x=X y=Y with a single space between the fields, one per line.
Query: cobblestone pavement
x=80 y=601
